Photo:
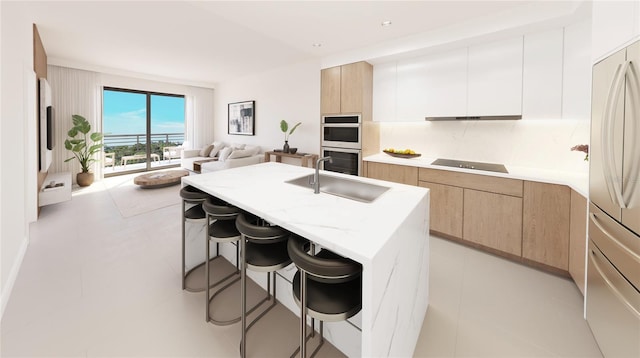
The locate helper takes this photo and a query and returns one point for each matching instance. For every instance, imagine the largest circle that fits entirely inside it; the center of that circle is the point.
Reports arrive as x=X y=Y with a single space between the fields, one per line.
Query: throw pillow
x=224 y=154
x=240 y=153
x=253 y=148
x=204 y=152
x=237 y=145
x=216 y=149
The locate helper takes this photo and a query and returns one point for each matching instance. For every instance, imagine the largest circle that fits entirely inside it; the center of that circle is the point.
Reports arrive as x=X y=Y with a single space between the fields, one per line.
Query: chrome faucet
x=316 y=174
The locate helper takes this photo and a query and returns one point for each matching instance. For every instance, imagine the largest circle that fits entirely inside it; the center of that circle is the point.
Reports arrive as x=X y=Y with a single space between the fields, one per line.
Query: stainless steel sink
x=342 y=187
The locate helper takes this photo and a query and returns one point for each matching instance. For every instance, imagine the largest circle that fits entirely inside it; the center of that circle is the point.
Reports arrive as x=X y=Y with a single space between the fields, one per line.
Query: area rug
x=131 y=200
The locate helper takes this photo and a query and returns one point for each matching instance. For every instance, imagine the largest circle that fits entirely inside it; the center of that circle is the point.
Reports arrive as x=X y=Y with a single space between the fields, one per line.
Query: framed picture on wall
x=242 y=118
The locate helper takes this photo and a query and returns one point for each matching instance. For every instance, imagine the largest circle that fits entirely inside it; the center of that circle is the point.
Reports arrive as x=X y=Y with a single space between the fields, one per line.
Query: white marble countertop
x=348 y=227
x=577 y=181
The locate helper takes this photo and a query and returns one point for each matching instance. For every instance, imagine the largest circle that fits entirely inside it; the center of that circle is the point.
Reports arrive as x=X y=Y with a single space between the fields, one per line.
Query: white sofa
x=226 y=158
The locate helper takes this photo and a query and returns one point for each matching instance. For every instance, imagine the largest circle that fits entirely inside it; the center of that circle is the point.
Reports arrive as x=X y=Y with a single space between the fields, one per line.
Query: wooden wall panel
x=40 y=68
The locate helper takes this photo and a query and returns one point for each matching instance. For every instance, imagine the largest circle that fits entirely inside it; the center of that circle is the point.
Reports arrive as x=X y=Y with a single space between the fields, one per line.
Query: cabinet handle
x=630 y=192
x=612 y=238
x=606 y=135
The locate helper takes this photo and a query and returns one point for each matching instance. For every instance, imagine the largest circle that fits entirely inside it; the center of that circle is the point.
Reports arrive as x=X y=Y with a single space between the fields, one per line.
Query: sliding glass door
x=142 y=130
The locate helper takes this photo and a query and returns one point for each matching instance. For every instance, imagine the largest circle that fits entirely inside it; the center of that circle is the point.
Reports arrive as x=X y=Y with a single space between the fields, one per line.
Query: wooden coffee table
x=160 y=179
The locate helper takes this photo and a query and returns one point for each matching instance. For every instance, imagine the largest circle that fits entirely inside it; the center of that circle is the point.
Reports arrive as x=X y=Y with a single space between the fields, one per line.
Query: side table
x=304 y=157
x=198 y=163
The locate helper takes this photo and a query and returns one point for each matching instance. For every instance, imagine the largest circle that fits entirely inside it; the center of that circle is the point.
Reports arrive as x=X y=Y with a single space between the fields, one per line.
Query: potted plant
x=284 y=127
x=81 y=147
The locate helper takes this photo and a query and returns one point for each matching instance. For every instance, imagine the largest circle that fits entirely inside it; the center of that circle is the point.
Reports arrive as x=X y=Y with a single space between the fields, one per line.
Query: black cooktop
x=491 y=167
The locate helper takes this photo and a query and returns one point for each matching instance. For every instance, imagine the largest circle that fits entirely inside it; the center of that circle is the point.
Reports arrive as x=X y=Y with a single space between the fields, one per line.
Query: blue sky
x=125 y=113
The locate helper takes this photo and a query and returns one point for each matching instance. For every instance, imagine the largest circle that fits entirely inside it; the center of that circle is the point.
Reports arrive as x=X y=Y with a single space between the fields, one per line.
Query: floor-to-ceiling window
x=142 y=130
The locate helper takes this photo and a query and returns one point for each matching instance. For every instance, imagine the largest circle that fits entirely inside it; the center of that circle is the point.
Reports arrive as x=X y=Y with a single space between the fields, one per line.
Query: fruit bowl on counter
x=399 y=153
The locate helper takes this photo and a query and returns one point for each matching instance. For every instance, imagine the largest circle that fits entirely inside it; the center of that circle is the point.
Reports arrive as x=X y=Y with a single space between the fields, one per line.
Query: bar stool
x=327 y=287
x=221 y=230
x=263 y=248
x=193 y=197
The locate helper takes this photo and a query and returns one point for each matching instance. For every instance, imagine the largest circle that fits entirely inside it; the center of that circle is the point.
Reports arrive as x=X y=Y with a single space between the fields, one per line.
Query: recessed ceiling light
x=317 y=44
x=386 y=23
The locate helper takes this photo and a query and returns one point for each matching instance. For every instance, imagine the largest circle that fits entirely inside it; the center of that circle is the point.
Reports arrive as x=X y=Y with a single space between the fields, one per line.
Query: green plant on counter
x=284 y=127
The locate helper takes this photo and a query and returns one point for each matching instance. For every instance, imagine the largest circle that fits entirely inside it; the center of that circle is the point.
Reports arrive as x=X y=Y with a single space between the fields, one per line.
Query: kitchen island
x=389 y=237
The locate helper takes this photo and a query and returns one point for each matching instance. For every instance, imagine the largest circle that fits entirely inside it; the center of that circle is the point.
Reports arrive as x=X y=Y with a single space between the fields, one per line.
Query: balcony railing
x=130 y=144
x=113 y=140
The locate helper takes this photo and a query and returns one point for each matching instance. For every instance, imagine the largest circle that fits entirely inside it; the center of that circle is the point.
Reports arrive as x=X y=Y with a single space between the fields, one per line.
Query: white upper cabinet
x=432 y=86
x=576 y=82
x=412 y=89
x=384 y=92
x=615 y=24
x=495 y=78
x=542 y=75
x=446 y=74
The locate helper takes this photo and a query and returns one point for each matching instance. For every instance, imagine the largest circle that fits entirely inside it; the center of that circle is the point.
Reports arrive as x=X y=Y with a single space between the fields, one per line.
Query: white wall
x=17 y=57
x=291 y=93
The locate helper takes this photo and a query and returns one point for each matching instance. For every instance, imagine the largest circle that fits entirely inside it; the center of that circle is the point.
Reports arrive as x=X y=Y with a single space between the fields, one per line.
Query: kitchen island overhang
x=388 y=236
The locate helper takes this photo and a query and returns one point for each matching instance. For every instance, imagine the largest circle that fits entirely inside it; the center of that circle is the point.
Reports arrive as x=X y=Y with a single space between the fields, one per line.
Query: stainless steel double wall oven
x=342 y=141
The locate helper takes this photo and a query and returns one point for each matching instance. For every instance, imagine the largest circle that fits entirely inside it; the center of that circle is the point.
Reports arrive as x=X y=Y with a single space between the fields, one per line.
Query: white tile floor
x=96 y=284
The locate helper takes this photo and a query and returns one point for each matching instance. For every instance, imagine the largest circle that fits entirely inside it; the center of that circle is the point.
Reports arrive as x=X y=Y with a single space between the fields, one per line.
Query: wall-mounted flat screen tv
x=47 y=126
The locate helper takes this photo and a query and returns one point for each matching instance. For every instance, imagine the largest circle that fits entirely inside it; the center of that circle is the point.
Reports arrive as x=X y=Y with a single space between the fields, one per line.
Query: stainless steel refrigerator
x=613 y=269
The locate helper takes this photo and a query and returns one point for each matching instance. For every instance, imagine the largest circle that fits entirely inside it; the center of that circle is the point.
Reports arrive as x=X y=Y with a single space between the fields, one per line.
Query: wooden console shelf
x=304 y=157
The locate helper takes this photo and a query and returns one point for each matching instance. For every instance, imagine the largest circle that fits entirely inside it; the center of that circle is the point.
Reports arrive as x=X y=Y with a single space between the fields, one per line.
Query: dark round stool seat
x=192 y=199
x=263 y=248
x=330 y=302
x=267 y=258
x=194 y=213
x=224 y=231
x=327 y=287
x=220 y=209
x=221 y=230
x=190 y=193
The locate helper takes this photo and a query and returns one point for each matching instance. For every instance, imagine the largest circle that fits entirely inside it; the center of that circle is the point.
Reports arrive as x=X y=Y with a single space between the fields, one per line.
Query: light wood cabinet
x=540 y=224
x=330 y=90
x=578 y=239
x=347 y=89
x=480 y=182
x=395 y=173
x=445 y=214
x=546 y=211
x=493 y=220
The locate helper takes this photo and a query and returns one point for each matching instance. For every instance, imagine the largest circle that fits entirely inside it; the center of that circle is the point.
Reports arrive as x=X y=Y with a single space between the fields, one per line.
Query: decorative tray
x=398 y=155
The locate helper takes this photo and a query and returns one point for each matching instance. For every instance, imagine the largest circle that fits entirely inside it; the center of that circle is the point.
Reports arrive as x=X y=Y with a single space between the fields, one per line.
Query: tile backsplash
x=543 y=144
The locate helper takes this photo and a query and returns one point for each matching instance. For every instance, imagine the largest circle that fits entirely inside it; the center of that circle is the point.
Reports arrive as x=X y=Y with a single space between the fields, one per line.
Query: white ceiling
x=207 y=42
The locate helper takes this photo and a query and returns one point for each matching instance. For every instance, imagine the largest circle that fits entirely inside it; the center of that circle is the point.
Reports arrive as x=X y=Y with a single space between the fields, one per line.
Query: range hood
x=474 y=118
